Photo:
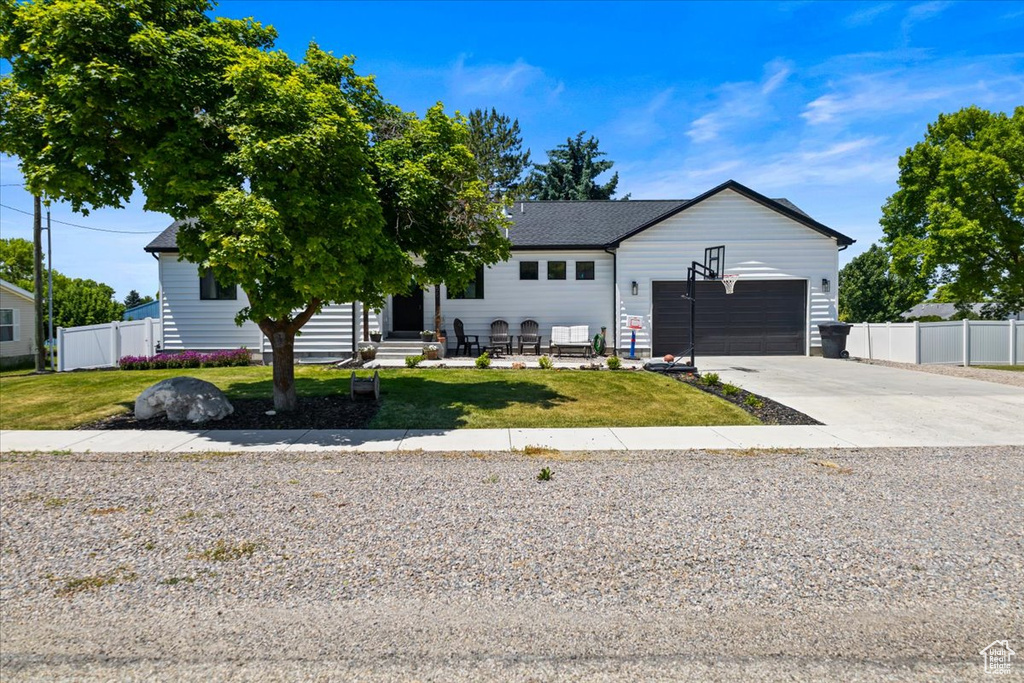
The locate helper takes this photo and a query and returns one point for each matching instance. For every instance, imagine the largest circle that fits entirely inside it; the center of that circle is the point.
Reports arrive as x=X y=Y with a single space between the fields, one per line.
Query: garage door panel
x=759 y=318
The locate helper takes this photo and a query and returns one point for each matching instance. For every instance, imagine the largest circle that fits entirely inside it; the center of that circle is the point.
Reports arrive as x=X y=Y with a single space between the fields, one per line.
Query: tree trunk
x=282 y=342
x=281 y=334
x=366 y=323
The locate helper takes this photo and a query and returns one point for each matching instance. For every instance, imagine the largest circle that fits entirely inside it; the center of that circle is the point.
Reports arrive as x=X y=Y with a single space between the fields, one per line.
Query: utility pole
x=37 y=270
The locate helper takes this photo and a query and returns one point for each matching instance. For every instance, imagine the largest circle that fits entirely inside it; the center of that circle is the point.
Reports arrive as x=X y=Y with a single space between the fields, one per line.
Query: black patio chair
x=529 y=336
x=500 y=337
x=465 y=341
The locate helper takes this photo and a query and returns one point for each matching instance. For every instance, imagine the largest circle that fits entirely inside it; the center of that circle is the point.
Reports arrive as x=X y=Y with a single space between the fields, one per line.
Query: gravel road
x=798 y=565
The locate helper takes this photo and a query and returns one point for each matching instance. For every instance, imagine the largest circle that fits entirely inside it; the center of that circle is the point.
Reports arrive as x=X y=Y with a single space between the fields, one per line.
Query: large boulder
x=181 y=399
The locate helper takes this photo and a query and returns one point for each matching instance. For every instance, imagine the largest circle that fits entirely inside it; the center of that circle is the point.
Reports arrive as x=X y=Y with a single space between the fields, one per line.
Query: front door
x=407 y=311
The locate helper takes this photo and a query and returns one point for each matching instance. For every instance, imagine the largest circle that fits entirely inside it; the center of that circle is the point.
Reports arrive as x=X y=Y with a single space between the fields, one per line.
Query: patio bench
x=571 y=337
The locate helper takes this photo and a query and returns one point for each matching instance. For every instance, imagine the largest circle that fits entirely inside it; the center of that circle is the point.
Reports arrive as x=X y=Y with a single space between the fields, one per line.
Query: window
x=7 y=325
x=209 y=288
x=556 y=270
x=584 y=270
x=475 y=290
x=528 y=270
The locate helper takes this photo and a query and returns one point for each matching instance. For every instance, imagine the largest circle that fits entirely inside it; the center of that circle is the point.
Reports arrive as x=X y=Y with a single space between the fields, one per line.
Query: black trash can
x=833 y=339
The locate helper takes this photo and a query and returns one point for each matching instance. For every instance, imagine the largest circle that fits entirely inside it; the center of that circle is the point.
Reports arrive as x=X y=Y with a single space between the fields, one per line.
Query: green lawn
x=420 y=398
x=1010 y=368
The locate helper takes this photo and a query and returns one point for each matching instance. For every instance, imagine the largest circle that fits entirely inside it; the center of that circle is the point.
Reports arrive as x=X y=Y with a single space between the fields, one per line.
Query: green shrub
x=614 y=363
x=710 y=380
x=545 y=363
x=483 y=360
x=730 y=389
x=545 y=474
x=413 y=361
x=753 y=401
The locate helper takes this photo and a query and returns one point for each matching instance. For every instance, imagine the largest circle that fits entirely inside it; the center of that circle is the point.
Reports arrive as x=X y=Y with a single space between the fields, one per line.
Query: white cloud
x=500 y=80
x=742 y=102
x=868 y=14
x=921 y=12
x=645 y=122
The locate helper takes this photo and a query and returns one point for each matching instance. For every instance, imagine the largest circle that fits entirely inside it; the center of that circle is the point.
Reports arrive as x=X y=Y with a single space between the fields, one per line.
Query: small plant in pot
x=367 y=351
x=375 y=337
x=427 y=335
x=431 y=351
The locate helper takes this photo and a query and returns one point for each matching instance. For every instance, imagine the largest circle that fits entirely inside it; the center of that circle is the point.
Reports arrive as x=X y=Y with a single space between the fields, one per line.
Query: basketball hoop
x=729 y=281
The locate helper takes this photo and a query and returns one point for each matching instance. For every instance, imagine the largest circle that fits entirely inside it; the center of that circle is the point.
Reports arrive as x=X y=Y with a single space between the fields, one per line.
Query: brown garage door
x=760 y=318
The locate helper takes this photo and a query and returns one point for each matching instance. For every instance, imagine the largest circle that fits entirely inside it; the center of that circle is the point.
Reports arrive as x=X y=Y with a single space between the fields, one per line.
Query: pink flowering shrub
x=188 y=359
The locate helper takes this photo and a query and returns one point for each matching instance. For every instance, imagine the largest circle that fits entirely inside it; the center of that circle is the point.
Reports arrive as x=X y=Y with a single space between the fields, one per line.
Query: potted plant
x=430 y=351
x=367 y=351
x=375 y=337
x=427 y=335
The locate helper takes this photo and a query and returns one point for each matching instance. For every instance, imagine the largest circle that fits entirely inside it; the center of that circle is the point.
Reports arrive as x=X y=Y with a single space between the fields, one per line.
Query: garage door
x=760 y=318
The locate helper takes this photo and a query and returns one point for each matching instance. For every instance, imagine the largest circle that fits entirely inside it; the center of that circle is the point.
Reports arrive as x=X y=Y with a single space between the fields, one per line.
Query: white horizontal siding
x=190 y=323
x=195 y=324
x=24 y=328
x=549 y=302
x=760 y=244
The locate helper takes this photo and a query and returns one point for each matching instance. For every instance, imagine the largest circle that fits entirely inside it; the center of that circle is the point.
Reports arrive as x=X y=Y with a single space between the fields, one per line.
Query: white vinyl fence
x=102 y=346
x=964 y=342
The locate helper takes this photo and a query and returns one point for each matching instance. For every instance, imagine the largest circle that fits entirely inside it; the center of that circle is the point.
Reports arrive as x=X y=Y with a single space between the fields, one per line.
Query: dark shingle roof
x=592 y=224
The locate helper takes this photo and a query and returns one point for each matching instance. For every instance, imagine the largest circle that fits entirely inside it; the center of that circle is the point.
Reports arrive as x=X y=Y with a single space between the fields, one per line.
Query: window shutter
x=16 y=318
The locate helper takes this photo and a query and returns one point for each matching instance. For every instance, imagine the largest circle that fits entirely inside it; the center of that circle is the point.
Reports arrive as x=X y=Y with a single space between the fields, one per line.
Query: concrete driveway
x=869 y=403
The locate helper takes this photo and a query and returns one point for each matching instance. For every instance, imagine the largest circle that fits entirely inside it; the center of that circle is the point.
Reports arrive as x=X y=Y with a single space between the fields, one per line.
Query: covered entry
x=761 y=317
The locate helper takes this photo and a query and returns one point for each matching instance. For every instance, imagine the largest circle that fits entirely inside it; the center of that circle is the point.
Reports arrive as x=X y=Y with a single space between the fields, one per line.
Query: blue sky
x=812 y=101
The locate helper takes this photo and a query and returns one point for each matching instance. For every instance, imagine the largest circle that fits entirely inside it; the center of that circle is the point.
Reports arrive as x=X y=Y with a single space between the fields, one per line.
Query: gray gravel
x=1010 y=377
x=803 y=565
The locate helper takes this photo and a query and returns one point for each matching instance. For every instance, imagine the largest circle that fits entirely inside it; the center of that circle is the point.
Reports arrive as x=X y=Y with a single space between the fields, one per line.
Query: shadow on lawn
x=421 y=403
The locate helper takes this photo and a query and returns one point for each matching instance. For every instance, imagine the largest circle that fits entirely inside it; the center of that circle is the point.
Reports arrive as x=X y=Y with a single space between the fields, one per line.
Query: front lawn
x=420 y=398
x=1010 y=368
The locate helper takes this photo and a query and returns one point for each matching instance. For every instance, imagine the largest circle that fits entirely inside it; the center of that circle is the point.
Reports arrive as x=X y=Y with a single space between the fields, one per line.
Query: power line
x=86 y=227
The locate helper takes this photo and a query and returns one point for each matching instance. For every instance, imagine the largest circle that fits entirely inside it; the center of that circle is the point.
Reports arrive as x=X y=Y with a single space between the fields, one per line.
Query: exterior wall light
x=825 y=284
x=636 y=288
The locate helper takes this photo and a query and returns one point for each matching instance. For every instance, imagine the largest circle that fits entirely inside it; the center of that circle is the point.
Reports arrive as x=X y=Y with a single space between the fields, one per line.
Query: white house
x=17 y=325
x=582 y=263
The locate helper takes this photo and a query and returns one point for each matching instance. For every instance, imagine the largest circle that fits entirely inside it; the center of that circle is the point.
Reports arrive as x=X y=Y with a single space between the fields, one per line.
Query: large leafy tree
x=276 y=162
x=571 y=172
x=135 y=299
x=958 y=217
x=17 y=261
x=869 y=292
x=497 y=144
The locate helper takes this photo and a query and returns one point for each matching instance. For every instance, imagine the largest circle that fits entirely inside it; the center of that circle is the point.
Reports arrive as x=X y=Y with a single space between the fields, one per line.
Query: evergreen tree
x=497 y=144
x=571 y=172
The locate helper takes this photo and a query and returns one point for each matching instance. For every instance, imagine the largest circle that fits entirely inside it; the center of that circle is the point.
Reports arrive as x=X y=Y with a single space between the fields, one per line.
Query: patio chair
x=500 y=337
x=465 y=341
x=529 y=336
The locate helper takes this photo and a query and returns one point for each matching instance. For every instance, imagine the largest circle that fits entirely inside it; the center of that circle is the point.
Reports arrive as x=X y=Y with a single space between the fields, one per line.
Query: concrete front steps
x=399 y=349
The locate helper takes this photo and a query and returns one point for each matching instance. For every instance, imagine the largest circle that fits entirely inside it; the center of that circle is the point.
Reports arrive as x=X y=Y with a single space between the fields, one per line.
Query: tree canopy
x=869 y=292
x=958 y=217
x=305 y=186
x=16 y=261
x=571 y=172
x=135 y=299
x=497 y=144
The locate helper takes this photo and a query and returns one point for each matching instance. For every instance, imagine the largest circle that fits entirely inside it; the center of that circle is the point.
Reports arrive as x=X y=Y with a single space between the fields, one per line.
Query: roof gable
x=15 y=289
x=782 y=206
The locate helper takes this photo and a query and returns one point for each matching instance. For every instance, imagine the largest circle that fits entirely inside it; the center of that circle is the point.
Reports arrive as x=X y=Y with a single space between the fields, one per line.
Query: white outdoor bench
x=570 y=337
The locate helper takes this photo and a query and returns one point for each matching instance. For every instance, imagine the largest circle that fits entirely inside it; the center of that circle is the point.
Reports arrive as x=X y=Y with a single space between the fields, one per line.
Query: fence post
x=967 y=343
x=917 y=343
x=150 y=344
x=867 y=337
x=1013 y=341
x=115 y=343
x=60 y=349
x=888 y=340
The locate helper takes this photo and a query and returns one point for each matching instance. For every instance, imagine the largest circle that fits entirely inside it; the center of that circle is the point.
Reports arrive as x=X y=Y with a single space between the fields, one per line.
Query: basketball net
x=729 y=281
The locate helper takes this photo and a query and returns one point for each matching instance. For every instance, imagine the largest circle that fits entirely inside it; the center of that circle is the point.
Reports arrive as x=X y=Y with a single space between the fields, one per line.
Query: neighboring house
x=947 y=311
x=142 y=311
x=583 y=263
x=17 y=325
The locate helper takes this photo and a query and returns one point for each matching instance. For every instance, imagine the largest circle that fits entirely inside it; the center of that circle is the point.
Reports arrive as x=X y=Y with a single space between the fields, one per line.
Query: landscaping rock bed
x=315 y=412
x=770 y=412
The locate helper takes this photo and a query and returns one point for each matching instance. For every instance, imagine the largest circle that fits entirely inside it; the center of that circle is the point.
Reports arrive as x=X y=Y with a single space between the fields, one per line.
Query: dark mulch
x=770 y=412
x=315 y=412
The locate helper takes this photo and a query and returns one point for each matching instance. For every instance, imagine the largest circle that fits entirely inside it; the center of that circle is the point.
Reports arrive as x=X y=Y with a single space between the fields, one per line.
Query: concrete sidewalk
x=595 y=439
